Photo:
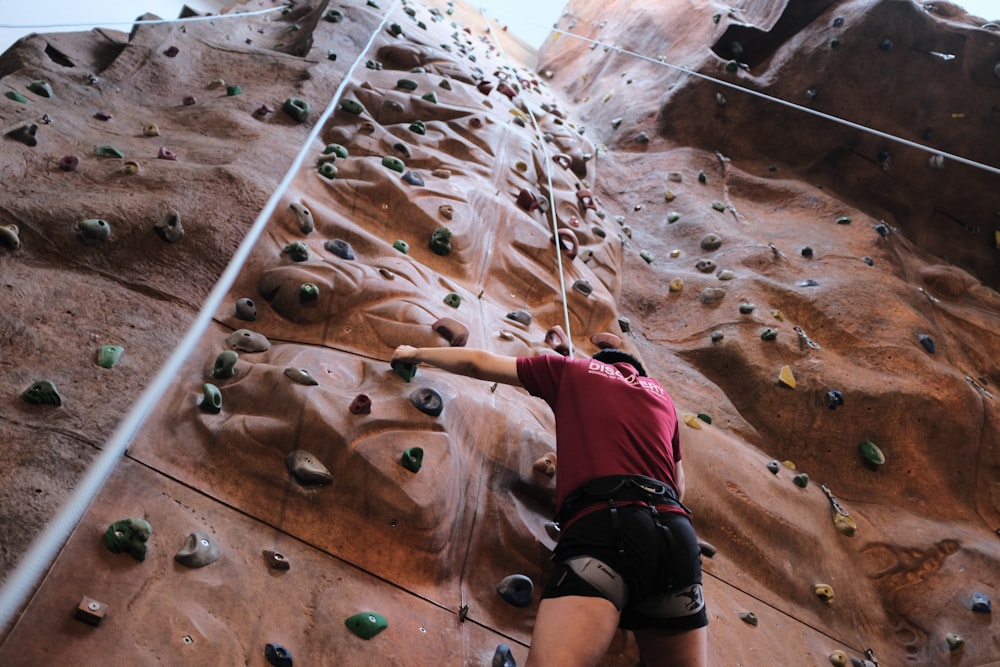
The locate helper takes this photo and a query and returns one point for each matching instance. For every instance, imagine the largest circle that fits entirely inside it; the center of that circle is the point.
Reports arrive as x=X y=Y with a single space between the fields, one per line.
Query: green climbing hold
x=129 y=536
x=233 y=90
x=844 y=220
x=367 y=624
x=42 y=392
x=801 y=480
x=108 y=151
x=16 y=96
x=404 y=370
x=413 y=458
x=394 y=163
x=453 y=299
x=871 y=453
x=430 y=97
x=211 y=399
x=955 y=642
x=297 y=251
x=334 y=16
x=328 y=170
x=352 y=106
x=716 y=17
x=308 y=293
x=440 y=243
x=40 y=88
x=702 y=178
x=296 y=108
x=336 y=149
x=646 y=256
x=718 y=206
x=372 y=3
x=835 y=42
x=769 y=334
x=407 y=84
x=673 y=217
x=705 y=417
x=418 y=127
x=94 y=229
x=225 y=365
x=108 y=356
x=747 y=308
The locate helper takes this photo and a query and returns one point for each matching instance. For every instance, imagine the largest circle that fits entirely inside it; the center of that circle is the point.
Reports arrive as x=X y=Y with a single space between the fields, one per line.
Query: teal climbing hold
x=234 y=90
x=40 y=88
x=413 y=459
x=418 y=127
x=871 y=453
x=336 y=149
x=129 y=536
x=440 y=243
x=453 y=299
x=94 y=229
x=42 y=392
x=402 y=246
x=394 y=163
x=108 y=356
x=732 y=66
x=404 y=370
x=705 y=417
x=308 y=293
x=517 y=589
x=297 y=108
x=16 y=96
x=430 y=97
x=328 y=170
x=367 y=624
x=225 y=365
x=844 y=220
x=407 y=84
x=211 y=399
x=702 y=178
x=297 y=251
x=109 y=151
x=801 y=480
x=352 y=106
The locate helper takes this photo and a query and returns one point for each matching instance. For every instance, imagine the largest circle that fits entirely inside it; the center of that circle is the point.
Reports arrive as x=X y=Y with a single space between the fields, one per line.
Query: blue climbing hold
x=413 y=178
x=502 y=657
x=278 y=655
x=927 y=342
x=981 y=603
x=882 y=230
x=834 y=399
x=340 y=248
x=516 y=589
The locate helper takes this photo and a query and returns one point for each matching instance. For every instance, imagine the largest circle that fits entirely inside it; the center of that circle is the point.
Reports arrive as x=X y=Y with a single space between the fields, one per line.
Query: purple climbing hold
x=166 y=154
x=69 y=163
x=190 y=100
x=927 y=342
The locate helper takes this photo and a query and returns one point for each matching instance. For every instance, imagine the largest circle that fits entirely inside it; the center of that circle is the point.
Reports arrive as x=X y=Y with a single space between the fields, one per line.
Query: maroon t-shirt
x=609 y=420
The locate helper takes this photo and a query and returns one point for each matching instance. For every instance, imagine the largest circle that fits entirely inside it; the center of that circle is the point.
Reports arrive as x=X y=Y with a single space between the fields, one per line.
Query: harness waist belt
x=618 y=488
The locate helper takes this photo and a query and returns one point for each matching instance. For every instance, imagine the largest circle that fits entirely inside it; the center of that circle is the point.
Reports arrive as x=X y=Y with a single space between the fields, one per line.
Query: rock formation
x=810 y=293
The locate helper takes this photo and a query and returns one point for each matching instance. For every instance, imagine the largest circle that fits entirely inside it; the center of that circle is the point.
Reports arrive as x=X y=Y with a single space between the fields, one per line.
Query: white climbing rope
x=791 y=105
x=43 y=550
x=189 y=19
x=552 y=204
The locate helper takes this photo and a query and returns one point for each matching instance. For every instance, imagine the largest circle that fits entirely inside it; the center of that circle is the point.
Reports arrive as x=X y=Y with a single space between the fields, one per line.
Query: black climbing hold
x=807 y=252
x=340 y=248
x=808 y=282
x=769 y=334
x=27 y=134
x=516 y=589
x=927 y=342
x=171 y=51
x=834 y=399
x=334 y=16
x=885 y=44
x=404 y=370
x=169 y=228
x=428 y=401
x=520 y=316
x=838 y=21
x=749 y=618
x=882 y=230
x=278 y=655
x=401 y=149
x=440 y=243
x=418 y=127
x=981 y=603
x=502 y=657
x=702 y=178
x=412 y=459
x=413 y=178
x=868 y=260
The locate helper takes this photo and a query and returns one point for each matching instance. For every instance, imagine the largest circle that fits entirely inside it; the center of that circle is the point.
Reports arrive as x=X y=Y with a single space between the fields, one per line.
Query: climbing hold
x=276 y=560
x=418 y=127
x=245 y=340
x=834 y=399
x=786 y=377
x=297 y=251
x=42 y=392
x=453 y=299
x=94 y=229
x=769 y=334
x=868 y=260
x=720 y=99
x=557 y=339
x=150 y=130
x=301 y=376
x=981 y=603
x=393 y=163
x=838 y=659
x=189 y=100
x=706 y=265
x=404 y=370
x=199 y=550
x=718 y=206
x=502 y=657
x=328 y=170
x=835 y=42
x=129 y=536
x=361 y=405
x=340 y=248
x=583 y=286
x=676 y=285
x=69 y=162
x=395 y=29
x=27 y=134
x=430 y=97
x=412 y=458
x=516 y=589
x=306 y=469
x=166 y=154
x=40 y=88
x=711 y=242
x=807 y=252
x=337 y=150
x=726 y=274
x=169 y=228
x=844 y=220
x=441 y=173
x=546 y=465
x=211 y=399
x=927 y=342
x=624 y=324
x=824 y=592
x=108 y=151
x=16 y=96
x=427 y=400
x=702 y=178
x=716 y=336
x=246 y=309
x=367 y=624
x=801 y=480
x=334 y=16
x=297 y=108
x=642 y=138
x=263 y=112
x=456 y=333
x=308 y=293
x=711 y=295
x=673 y=217
x=402 y=246
x=91 y=611
x=351 y=106
x=774 y=466
x=747 y=308
x=171 y=51
x=413 y=178
x=447 y=211
x=108 y=356
x=520 y=316
x=305 y=218
x=646 y=256
x=440 y=243
x=278 y=655
x=955 y=642
x=749 y=618
x=233 y=90
x=691 y=420
x=527 y=200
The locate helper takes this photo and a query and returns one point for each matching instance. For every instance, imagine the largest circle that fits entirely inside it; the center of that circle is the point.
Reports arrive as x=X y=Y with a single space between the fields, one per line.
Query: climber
x=627 y=555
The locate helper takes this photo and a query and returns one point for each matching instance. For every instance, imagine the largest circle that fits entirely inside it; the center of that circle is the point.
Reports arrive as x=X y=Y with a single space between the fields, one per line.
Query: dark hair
x=611 y=355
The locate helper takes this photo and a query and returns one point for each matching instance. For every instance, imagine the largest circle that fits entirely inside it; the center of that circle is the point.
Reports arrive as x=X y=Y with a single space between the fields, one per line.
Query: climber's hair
x=612 y=355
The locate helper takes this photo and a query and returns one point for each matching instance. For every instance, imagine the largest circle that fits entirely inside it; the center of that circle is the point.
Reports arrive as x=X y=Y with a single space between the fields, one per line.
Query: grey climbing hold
x=169 y=228
x=129 y=536
x=108 y=356
x=746 y=308
x=453 y=299
x=769 y=334
x=502 y=657
x=673 y=217
x=520 y=316
x=199 y=550
x=340 y=248
x=297 y=108
x=583 y=286
x=726 y=274
x=616 y=122
x=927 y=342
x=981 y=603
x=716 y=336
x=26 y=134
x=245 y=340
x=749 y=618
x=367 y=624
x=642 y=138
x=808 y=282
x=413 y=178
x=427 y=400
x=624 y=324
x=278 y=655
x=954 y=641
x=211 y=399
x=301 y=376
x=516 y=589
x=706 y=265
x=297 y=251
x=711 y=242
x=10 y=237
x=94 y=229
x=440 y=243
x=304 y=216
x=711 y=295
x=42 y=392
x=246 y=309
x=774 y=467
x=307 y=469
x=718 y=206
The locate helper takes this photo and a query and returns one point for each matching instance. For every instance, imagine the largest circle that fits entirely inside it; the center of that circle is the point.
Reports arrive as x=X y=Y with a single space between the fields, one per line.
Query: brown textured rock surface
x=427 y=549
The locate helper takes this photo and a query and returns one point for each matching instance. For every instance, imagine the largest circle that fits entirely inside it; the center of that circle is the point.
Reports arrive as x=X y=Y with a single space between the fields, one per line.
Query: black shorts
x=661 y=566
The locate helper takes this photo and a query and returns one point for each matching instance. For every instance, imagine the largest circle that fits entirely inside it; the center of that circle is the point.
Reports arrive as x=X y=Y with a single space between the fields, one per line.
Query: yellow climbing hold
x=691 y=420
x=608 y=96
x=778 y=315
x=838 y=659
x=845 y=524
x=996 y=238
x=676 y=285
x=675 y=253
x=786 y=377
x=789 y=464
x=824 y=592
x=670 y=196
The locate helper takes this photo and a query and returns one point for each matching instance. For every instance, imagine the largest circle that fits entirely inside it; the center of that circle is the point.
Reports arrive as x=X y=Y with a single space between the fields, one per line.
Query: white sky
x=529 y=19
